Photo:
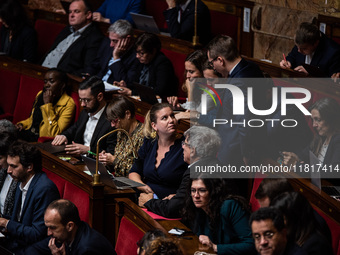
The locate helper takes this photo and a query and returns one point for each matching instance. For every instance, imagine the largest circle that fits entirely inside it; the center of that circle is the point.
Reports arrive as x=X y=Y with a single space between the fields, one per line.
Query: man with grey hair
x=116 y=54
x=200 y=147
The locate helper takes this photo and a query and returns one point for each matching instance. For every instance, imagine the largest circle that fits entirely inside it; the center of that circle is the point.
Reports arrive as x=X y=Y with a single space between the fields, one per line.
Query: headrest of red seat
x=29 y=88
x=80 y=198
x=128 y=236
x=177 y=59
x=335 y=230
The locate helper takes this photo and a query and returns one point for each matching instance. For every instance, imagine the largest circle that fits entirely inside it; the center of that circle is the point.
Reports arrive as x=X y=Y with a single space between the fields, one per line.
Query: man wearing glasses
x=91 y=124
x=270 y=233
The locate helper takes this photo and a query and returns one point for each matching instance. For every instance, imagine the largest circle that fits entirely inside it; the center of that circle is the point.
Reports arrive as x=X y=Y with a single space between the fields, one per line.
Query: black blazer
x=162 y=76
x=80 y=55
x=23 y=45
x=86 y=241
x=76 y=133
x=185 y=29
x=326 y=56
x=120 y=70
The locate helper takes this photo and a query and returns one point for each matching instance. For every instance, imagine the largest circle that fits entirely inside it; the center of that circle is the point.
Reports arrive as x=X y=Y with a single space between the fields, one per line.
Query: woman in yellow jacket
x=53 y=110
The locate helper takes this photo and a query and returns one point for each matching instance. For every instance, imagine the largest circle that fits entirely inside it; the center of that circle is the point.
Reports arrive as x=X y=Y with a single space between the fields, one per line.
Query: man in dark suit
x=180 y=17
x=68 y=234
x=91 y=124
x=116 y=55
x=34 y=193
x=270 y=233
x=237 y=140
x=314 y=48
x=76 y=46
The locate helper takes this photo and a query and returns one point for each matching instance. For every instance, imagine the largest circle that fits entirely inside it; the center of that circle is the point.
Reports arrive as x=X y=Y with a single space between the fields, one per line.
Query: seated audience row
x=53 y=110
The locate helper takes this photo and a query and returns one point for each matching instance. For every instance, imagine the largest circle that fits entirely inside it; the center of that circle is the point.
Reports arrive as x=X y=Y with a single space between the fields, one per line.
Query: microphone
x=195 y=38
x=96 y=176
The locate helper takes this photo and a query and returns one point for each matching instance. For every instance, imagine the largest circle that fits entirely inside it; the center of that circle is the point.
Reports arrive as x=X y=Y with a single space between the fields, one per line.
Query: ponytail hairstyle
x=152 y=117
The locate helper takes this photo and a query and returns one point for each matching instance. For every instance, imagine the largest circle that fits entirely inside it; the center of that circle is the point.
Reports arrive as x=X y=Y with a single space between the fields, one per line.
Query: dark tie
x=144 y=76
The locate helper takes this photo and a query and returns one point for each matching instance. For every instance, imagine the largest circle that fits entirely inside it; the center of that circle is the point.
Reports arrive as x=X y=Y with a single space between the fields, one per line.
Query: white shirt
x=23 y=194
x=91 y=125
x=183 y=7
x=322 y=153
x=4 y=191
x=53 y=58
x=308 y=58
x=233 y=68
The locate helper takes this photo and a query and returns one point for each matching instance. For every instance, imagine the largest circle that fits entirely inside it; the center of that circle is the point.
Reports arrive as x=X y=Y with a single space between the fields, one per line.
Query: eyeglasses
x=267 y=236
x=114 y=121
x=85 y=100
x=211 y=63
x=201 y=191
x=185 y=144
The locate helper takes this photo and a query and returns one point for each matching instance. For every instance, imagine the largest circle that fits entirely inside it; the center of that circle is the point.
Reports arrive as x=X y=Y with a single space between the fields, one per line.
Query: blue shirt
x=166 y=179
x=119 y=9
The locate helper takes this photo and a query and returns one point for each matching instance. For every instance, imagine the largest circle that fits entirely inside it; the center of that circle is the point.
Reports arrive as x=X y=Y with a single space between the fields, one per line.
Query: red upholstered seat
x=177 y=60
x=29 y=87
x=80 y=198
x=253 y=201
x=47 y=32
x=58 y=181
x=75 y=98
x=9 y=92
x=223 y=23
x=335 y=230
x=128 y=236
x=155 y=8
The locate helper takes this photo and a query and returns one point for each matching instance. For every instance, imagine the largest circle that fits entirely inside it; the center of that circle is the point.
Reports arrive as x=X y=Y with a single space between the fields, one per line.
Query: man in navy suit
x=91 y=124
x=68 y=234
x=76 y=46
x=313 y=48
x=34 y=193
x=116 y=55
x=238 y=144
x=180 y=17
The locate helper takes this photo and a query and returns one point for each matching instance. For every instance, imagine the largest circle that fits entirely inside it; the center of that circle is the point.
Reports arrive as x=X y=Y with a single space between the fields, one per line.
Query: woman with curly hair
x=220 y=219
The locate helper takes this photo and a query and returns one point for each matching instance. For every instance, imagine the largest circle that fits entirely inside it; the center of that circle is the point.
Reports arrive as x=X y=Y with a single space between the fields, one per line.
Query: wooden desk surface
x=189 y=242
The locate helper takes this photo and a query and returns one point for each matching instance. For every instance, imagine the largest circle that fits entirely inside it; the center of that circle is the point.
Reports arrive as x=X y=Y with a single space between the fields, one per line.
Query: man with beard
x=68 y=234
x=33 y=194
x=91 y=124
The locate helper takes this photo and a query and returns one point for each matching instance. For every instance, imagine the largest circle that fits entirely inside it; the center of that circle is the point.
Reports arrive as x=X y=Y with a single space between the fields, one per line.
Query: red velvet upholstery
x=335 y=230
x=10 y=82
x=223 y=23
x=155 y=8
x=140 y=118
x=177 y=60
x=29 y=87
x=128 y=236
x=75 y=98
x=47 y=32
x=80 y=198
x=253 y=201
x=58 y=181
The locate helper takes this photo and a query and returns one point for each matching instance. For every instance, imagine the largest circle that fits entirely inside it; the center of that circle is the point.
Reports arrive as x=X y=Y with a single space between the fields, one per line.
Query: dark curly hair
x=219 y=191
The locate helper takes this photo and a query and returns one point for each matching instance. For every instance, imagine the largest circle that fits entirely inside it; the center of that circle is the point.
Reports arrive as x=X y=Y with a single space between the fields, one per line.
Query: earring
x=153 y=134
